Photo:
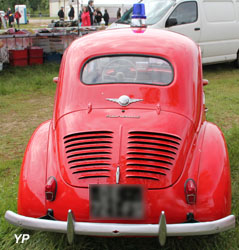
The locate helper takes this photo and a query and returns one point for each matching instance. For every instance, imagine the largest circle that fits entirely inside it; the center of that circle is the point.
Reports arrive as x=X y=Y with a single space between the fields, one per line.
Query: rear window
x=127 y=69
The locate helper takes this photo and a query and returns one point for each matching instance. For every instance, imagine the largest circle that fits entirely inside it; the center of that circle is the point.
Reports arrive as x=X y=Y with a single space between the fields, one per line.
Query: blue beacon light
x=138 y=18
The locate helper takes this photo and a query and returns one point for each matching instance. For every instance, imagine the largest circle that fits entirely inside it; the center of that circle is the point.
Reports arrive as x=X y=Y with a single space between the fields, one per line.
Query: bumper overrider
x=161 y=230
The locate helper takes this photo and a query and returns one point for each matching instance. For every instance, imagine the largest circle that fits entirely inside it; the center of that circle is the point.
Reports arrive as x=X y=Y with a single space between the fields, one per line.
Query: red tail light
x=190 y=189
x=50 y=189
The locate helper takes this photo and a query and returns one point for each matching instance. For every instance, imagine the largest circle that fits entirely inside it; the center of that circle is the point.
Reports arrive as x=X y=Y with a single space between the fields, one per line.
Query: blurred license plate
x=116 y=201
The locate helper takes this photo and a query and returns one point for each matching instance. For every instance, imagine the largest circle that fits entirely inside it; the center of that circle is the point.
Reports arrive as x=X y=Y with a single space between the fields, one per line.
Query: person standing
x=85 y=17
x=79 y=17
x=71 y=13
x=119 y=13
x=17 y=16
x=92 y=11
x=10 y=17
x=106 y=17
x=98 y=16
x=61 y=14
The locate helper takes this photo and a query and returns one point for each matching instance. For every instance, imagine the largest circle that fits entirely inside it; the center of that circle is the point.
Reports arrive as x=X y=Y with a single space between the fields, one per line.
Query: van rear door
x=185 y=19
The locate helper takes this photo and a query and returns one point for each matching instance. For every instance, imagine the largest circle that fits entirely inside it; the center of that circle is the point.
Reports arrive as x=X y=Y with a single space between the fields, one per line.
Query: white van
x=213 y=24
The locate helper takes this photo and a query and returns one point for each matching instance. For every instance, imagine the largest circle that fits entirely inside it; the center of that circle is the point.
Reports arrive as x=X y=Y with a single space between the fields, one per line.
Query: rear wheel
x=236 y=62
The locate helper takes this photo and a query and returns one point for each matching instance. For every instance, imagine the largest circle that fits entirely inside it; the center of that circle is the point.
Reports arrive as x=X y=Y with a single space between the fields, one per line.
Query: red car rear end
x=128 y=151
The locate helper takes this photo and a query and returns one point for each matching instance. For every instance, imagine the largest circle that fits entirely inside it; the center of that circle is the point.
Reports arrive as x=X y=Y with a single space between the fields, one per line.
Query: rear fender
x=31 y=195
x=214 y=181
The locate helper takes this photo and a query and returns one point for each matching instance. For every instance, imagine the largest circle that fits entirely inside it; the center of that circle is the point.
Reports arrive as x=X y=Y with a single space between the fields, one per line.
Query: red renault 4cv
x=128 y=151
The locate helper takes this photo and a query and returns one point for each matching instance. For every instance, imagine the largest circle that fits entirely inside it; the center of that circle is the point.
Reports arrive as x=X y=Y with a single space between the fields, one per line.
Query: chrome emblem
x=123 y=100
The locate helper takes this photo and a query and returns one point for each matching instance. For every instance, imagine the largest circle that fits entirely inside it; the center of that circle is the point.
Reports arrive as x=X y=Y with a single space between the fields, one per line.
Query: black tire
x=236 y=62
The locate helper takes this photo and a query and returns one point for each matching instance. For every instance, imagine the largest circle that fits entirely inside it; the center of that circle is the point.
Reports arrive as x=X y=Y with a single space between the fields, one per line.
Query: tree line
x=33 y=6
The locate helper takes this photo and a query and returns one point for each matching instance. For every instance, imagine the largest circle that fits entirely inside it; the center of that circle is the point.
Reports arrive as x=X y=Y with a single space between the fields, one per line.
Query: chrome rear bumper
x=161 y=230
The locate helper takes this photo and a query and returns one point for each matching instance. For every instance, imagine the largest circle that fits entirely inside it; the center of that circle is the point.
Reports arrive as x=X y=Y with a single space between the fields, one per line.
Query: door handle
x=196 y=29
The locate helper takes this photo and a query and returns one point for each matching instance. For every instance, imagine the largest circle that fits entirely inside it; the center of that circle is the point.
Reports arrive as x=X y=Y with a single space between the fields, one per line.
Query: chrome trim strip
x=116 y=229
x=117 y=175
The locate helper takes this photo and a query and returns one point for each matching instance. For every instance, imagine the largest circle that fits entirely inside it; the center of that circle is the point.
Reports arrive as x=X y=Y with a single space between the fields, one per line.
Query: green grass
x=26 y=100
x=35 y=23
x=43 y=18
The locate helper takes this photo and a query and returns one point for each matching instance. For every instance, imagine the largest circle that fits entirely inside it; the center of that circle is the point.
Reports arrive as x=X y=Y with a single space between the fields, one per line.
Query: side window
x=184 y=13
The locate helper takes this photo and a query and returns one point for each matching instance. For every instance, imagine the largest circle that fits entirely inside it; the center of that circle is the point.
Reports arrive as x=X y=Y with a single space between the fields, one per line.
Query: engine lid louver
x=147 y=158
x=88 y=155
x=150 y=155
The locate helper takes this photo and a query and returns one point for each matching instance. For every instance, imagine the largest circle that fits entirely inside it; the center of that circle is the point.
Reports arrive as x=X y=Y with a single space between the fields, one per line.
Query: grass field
x=35 y=23
x=26 y=100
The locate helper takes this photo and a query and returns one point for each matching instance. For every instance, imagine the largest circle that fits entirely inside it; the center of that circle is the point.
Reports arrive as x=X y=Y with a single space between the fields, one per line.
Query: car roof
x=166 y=44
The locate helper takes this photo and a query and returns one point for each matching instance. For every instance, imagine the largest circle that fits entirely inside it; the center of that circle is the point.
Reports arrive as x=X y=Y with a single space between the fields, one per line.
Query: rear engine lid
x=137 y=147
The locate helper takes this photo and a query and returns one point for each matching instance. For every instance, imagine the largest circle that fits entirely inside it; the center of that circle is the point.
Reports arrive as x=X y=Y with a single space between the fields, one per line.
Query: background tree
x=33 y=6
